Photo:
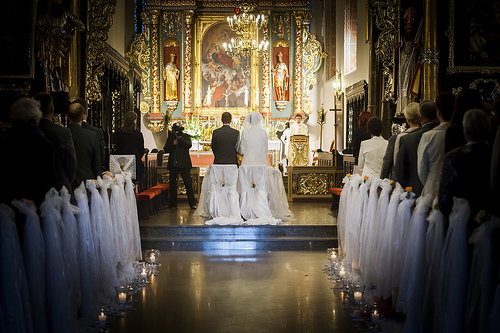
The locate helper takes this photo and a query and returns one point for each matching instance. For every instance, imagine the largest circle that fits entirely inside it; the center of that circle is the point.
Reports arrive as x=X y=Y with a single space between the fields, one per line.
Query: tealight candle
x=102 y=320
x=375 y=317
x=357 y=297
x=342 y=273
x=334 y=256
x=144 y=274
x=122 y=298
x=152 y=258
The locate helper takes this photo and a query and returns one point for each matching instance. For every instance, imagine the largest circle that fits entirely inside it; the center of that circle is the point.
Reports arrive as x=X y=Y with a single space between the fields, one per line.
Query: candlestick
x=122 y=298
x=357 y=297
x=102 y=320
x=375 y=317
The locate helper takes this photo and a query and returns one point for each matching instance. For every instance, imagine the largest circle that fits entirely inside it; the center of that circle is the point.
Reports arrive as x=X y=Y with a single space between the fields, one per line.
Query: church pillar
x=155 y=72
x=430 y=52
x=266 y=77
x=188 y=21
x=373 y=85
x=299 y=17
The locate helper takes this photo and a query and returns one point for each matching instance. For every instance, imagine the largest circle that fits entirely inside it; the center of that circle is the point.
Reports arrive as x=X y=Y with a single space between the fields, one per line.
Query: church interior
x=366 y=228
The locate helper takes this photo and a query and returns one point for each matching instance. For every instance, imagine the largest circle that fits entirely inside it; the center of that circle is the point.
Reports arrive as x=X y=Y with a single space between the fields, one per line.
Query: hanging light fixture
x=246 y=24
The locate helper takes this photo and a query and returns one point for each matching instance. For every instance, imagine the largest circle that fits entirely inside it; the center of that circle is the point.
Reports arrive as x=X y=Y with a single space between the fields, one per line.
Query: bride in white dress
x=262 y=196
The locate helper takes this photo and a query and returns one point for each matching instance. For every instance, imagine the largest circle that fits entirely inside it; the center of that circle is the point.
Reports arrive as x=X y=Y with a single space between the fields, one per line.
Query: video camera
x=177 y=129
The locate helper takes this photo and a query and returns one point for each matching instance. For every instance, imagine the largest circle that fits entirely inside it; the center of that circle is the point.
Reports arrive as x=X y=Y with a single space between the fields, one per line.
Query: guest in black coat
x=465 y=100
x=129 y=141
x=98 y=131
x=224 y=142
x=406 y=167
x=179 y=161
x=466 y=170
x=360 y=134
x=27 y=168
x=64 y=149
x=86 y=145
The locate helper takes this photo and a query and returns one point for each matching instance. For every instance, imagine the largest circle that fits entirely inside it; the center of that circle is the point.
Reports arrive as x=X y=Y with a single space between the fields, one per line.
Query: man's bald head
x=75 y=113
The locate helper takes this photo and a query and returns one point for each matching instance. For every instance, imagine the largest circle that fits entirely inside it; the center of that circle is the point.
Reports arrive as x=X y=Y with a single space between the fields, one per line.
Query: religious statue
x=171 y=75
x=56 y=29
x=280 y=78
x=409 y=52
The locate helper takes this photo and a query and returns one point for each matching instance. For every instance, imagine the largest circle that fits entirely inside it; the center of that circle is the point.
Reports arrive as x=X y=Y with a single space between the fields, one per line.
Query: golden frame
x=202 y=25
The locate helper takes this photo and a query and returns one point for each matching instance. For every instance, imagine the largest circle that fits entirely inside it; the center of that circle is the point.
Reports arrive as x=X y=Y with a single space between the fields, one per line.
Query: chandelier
x=246 y=25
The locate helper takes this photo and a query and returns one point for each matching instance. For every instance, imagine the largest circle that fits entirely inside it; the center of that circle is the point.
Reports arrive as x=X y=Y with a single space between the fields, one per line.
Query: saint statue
x=171 y=75
x=280 y=78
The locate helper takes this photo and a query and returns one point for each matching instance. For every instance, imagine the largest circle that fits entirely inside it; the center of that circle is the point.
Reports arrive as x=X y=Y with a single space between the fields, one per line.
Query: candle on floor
x=357 y=297
x=375 y=317
x=334 y=256
x=152 y=258
x=102 y=320
x=122 y=298
x=144 y=274
x=342 y=273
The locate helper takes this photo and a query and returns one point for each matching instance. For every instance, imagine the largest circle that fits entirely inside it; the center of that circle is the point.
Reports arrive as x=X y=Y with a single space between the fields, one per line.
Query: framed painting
x=474 y=37
x=223 y=80
x=17 y=31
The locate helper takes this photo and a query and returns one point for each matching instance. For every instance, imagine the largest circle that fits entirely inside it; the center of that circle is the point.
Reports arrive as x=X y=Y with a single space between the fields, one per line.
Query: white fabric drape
x=14 y=300
x=134 y=219
x=278 y=202
x=254 y=205
x=89 y=280
x=222 y=199
x=34 y=263
x=60 y=314
x=453 y=272
x=355 y=221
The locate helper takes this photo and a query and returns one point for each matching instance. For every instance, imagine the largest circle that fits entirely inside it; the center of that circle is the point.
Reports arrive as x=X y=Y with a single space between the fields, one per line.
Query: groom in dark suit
x=225 y=141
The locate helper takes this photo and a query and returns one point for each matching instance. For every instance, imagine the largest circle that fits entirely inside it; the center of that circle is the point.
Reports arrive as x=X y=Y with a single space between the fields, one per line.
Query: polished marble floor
x=238 y=291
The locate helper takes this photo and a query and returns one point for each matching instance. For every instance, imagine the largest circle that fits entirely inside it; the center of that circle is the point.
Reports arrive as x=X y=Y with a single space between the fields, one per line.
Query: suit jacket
x=102 y=142
x=179 y=153
x=406 y=165
x=388 y=161
x=27 y=168
x=224 y=145
x=64 y=152
x=466 y=174
x=87 y=154
x=371 y=156
x=430 y=158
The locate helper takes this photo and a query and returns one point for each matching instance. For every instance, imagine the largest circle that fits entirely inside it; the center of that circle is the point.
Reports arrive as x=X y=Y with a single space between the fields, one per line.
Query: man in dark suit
x=86 y=145
x=64 y=149
x=27 y=168
x=179 y=161
x=406 y=163
x=98 y=131
x=466 y=170
x=224 y=142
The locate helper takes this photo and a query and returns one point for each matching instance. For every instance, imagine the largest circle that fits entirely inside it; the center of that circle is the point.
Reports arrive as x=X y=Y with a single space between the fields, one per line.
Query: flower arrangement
x=365 y=179
x=193 y=128
x=408 y=192
x=122 y=165
x=223 y=182
x=253 y=184
x=348 y=175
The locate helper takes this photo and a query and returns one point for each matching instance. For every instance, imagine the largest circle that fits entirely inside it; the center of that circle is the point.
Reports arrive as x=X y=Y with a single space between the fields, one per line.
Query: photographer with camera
x=179 y=161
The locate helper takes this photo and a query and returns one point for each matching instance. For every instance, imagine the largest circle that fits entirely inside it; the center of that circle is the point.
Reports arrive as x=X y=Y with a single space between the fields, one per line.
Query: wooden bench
x=151 y=200
x=335 y=191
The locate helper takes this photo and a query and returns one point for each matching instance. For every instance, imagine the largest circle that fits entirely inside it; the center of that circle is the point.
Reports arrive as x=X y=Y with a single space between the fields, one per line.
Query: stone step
x=271 y=238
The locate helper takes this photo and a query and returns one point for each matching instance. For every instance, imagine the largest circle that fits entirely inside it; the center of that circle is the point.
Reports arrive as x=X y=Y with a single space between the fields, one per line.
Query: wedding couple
x=252 y=194
x=252 y=143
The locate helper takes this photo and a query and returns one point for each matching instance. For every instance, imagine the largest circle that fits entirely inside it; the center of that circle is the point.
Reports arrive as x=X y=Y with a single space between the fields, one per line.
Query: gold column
x=155 y=72
x=430 y=52
x=298 y=62
x=74 y=59
x=266 y=77
x=188 y=20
